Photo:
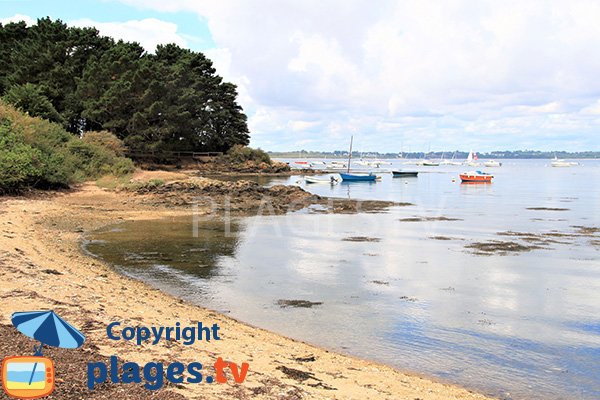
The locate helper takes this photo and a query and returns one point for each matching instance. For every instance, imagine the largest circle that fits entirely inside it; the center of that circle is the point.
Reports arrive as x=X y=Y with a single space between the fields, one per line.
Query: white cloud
x=17 y=18
x=592 y=109
x=486 y=73
x=299 y=126
x=148 y=32
x=482 y=74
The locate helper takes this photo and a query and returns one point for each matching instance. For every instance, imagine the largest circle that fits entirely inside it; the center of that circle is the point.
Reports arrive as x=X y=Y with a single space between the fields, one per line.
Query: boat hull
x=312 y=179
x=491 y=164
x=469 y=178
x=358 y=178
x=398 y=174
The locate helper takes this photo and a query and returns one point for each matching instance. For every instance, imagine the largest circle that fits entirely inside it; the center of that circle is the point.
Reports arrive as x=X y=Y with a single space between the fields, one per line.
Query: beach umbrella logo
x=33 y=377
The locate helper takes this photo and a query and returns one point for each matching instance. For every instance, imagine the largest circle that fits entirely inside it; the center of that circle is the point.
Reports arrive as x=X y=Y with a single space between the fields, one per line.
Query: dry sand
x=42 y=266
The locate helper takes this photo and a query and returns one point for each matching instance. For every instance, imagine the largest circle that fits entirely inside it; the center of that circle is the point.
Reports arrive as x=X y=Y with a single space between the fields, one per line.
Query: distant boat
x=472 y=159
x=373 y=163
x=359 y=177
x=398 y=174
x=337 y=165
x=492 y=163
x=562 y=163
x=319 y=179
x=476 y=177
x=430 y=163
x=451 y=161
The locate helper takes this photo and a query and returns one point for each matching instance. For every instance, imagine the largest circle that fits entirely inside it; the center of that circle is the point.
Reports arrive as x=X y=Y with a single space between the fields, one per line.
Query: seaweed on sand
x=422 y=219
x=283 y=303
x=547 y=209
x=499 y=247
x=361 y=239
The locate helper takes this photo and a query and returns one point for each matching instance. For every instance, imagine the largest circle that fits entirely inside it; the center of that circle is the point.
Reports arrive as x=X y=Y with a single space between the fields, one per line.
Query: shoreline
x=101 y=295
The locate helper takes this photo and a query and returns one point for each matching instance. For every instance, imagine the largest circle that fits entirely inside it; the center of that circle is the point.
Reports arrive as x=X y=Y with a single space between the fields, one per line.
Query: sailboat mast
x=350 y=154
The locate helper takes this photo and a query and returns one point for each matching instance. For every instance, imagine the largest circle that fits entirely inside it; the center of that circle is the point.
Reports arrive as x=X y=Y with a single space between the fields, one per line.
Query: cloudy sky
x=411 y=75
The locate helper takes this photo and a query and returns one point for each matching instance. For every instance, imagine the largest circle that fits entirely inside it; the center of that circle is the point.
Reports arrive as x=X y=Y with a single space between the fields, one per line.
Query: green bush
x=122 y=166
x=106 y=140
x=38 y=153
x=20 y=164
x=241 y=154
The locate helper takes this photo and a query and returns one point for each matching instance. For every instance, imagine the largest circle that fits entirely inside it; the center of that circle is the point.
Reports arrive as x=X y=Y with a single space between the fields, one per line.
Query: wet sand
x=42 y=266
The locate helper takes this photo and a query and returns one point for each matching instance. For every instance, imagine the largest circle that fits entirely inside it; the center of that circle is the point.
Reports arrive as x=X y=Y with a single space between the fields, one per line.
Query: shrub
x=122 y=166
x=39 y=153
x=241 y=154
x=94 y=160
x=106 y=140
x=19 y=163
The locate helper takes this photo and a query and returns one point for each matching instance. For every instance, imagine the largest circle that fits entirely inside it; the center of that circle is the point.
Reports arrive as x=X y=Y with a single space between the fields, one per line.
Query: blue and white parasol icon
x=48 y=328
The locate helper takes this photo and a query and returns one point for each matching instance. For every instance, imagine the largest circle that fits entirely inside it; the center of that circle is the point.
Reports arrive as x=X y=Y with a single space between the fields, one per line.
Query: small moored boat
x=348 y=177
x=358 y=177
x=398 y=174
x=430 y=163
x=492 y=163
x=320 y=179
x=476 y=177
x=562 y=163
x=471 y=160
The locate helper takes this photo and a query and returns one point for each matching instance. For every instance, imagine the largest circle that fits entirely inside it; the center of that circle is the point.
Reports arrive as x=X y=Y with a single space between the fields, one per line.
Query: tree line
x=457 y=154
x=169 y=100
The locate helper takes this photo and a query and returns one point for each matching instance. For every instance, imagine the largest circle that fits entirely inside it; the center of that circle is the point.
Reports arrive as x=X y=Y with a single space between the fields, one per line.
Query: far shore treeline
x=169 y=100
x=456 y=154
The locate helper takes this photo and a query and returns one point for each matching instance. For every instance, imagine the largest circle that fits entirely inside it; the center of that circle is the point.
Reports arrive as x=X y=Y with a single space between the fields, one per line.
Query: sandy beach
x=44 y=267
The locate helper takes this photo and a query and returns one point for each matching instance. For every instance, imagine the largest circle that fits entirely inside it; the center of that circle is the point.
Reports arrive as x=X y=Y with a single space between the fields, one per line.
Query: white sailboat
x=451 y=161
x=472 y=159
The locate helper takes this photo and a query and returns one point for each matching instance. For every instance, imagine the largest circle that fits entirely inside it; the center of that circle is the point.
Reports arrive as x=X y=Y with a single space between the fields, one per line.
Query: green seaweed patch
x=423 y=219
x=537 y=238
x=586 y=230
x=361 y=239
x=444 y=238
x=409 y=299
x=283 y=303
x=378 y=282
x=547 y=209
x=500 y=247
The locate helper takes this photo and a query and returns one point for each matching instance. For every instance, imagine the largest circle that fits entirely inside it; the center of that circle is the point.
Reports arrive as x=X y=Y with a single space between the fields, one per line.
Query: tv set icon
x=27 y=377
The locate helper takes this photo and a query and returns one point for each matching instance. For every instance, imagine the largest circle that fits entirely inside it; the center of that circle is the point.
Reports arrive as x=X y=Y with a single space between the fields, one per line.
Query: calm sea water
x=410 y=292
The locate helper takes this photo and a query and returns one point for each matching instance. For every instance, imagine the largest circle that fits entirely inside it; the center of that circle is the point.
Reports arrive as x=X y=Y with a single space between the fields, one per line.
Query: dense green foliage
x=240 y=154
x=38 y=153
x=169 y=100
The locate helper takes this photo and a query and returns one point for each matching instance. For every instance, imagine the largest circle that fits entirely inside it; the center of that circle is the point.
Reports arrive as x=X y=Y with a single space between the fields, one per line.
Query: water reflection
x=408 y=292
x=167 y=246
x=523 y=324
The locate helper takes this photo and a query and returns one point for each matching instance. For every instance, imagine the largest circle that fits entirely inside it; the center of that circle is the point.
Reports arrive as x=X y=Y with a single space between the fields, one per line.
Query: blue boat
x=358 y=178
x=348 y=177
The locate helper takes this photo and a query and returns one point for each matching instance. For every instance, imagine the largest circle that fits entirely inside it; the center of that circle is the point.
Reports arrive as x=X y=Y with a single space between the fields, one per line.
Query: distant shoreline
x=436 y=156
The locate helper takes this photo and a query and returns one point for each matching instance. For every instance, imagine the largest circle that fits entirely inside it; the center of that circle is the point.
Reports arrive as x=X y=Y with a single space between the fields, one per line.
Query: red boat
x=476 y=177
